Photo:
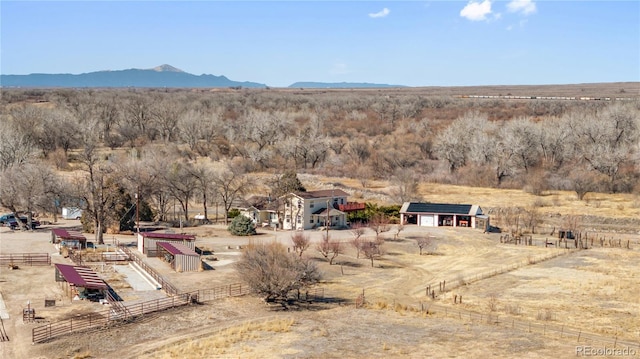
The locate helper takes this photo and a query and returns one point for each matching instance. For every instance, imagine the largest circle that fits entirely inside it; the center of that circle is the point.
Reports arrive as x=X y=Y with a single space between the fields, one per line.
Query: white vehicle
x=71 y=212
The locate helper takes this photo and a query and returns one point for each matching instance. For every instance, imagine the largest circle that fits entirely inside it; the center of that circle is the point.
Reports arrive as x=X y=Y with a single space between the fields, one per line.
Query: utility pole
x=328 y=220
x=138 y=209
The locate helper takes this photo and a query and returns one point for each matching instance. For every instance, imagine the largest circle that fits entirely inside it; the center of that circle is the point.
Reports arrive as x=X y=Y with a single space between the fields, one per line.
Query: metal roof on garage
x=81 y=276
x=169 y=236
x=65 y=234
x=441 y=208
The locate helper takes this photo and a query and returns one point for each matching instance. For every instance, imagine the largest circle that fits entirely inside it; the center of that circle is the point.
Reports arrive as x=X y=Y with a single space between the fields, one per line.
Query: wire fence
x=121 y=313
x=557 y=331
x=432 y=290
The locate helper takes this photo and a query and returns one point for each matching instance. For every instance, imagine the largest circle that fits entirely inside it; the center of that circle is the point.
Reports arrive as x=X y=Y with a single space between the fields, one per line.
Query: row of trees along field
x=99 y=147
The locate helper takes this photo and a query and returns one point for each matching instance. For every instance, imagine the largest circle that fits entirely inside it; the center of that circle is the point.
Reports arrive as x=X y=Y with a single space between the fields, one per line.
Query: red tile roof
x=81 y=276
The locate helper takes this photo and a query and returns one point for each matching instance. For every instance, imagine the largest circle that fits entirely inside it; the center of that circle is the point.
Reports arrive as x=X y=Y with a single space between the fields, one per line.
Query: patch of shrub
x=242 y=226
x=233 y=213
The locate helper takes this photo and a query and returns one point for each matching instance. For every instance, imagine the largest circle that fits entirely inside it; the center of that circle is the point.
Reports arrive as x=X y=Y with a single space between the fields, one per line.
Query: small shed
x=67 y=238
x=147 y=241
x=81 y=281
x=180 y=257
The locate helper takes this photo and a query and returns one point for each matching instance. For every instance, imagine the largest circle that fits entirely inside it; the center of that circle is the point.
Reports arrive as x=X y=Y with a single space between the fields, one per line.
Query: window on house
x=335 y=200
x=311 y=221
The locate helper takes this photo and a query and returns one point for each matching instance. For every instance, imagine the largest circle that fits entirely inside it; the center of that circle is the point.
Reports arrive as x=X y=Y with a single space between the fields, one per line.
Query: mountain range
x=158 y=77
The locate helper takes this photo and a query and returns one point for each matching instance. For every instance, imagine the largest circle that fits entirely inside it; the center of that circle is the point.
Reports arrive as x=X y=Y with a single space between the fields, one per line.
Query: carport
x=70 y=239
x=81 y=281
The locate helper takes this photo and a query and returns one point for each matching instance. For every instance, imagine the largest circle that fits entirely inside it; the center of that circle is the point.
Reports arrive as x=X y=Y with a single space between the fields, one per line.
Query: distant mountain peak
x=166 y=68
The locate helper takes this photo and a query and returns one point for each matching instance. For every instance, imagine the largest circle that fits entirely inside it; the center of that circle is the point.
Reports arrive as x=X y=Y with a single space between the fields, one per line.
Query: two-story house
x=312 y=209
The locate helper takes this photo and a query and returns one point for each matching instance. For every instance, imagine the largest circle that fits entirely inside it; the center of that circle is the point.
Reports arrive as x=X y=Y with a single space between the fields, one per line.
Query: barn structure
x=444 y=215
x=180 y=257
x=147 y=241
x=70 y=239
x=81 y=281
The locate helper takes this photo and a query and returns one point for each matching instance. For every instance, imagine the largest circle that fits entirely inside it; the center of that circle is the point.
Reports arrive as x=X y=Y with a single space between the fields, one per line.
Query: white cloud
x=382 y=13
x=525 y=7
x=476 y=11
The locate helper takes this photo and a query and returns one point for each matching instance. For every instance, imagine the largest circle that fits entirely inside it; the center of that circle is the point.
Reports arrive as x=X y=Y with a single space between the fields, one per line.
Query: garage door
x=426 y=221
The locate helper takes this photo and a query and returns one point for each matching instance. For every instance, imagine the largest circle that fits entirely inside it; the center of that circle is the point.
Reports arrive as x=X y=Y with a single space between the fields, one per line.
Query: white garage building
x=443 y=215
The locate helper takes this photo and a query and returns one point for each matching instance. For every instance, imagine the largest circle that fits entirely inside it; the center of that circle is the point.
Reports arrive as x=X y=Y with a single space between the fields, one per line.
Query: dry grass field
x=592 y=291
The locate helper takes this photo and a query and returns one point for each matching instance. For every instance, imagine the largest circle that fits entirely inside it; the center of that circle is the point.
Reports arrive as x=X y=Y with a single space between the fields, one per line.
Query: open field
x=593 y=291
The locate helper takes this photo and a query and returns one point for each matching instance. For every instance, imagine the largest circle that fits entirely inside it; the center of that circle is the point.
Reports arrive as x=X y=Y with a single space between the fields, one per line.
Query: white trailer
x=71 y=212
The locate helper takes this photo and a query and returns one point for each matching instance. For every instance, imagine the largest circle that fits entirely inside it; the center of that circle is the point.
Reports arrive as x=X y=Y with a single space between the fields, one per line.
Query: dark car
x=5 y=218
x=13 y=224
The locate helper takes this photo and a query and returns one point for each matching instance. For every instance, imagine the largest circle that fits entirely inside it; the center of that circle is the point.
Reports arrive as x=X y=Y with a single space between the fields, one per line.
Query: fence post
x=580 y=332
x=562 y=331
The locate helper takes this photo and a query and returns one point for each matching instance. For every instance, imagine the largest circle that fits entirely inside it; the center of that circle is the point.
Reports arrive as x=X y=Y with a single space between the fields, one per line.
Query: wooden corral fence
x=120 y=313
x=30 y=259
x=169 y=288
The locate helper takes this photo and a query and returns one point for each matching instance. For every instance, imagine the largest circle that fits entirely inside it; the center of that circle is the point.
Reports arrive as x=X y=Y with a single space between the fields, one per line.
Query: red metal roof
x=352 y=206
x=64 y=234
x=81 y=276
x=169 y=236
x=177 y=248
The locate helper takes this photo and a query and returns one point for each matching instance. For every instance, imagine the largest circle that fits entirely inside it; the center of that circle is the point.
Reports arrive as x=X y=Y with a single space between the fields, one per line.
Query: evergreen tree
x=242 y=226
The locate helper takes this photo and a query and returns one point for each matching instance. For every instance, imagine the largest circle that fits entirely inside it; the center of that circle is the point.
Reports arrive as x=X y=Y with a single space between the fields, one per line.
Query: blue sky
x=414 y=43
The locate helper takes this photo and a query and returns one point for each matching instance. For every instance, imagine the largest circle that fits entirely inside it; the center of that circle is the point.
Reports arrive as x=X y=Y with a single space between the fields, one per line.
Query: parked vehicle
x=71 y=213
x=13 y=224
x=6 y=217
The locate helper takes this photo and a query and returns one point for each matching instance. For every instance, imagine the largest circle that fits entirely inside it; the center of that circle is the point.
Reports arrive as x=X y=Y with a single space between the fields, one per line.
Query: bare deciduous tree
x=357 y=230
x=273 y=273
x=231 y=182
x=379 y=223
x=329 y=249
x=181 y=184
x=300 y=242
x=423 y=243
x=372 y=250
x=399 y=228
